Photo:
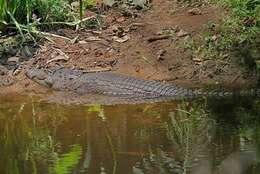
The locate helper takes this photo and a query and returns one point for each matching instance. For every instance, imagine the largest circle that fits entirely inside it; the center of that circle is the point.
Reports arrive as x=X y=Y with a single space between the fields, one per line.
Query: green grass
x=29 y=10
x=190 y=129
x=236 y=38
x=25 y=14
x=244 y=20
x=241 y=30
x=28 y=18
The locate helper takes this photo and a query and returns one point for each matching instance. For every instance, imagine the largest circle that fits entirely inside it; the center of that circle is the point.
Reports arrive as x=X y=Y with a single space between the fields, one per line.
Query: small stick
x=71 y=51
x=235 y=78
x=97 y=70
x=52 y=35
x=155 y=38
x=136 y=25
x=69 y=23
x=169 y=79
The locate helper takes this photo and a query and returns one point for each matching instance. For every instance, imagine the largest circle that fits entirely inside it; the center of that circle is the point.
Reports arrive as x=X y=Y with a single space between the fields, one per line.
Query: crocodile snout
x=39 y=76
x=36 y=73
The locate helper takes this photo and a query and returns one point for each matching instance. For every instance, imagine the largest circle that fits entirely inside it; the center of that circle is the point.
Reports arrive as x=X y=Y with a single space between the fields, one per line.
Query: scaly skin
x=122 y=86
x=105 y=83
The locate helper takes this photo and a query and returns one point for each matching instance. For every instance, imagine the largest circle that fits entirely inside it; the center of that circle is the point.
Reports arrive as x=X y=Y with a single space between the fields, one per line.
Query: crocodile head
x=40 y=76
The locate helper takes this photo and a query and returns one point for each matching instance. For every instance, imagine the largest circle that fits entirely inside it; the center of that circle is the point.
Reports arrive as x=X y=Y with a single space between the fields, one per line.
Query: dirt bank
x=149 y=46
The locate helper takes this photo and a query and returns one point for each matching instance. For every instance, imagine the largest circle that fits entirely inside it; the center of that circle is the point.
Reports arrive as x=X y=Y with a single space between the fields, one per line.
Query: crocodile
x=112 y=84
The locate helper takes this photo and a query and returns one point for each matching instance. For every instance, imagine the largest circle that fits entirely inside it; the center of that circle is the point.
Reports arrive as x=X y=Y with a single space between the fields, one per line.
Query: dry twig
x=155 y=38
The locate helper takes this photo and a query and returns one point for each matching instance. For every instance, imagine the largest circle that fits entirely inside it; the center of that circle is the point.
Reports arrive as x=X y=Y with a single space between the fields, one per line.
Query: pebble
x=13 y=59
x=160 y=54
x=3 y=70
x=26 y=52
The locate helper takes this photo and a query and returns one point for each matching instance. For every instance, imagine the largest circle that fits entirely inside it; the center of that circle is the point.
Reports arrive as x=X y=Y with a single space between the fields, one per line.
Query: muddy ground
x=149 y=46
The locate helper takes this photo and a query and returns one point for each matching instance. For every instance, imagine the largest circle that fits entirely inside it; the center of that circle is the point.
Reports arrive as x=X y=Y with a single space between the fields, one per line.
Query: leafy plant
x=188 y=129
x=68 y=160
x=235 y=39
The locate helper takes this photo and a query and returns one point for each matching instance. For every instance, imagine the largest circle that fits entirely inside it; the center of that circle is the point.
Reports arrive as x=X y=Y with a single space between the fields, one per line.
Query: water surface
x=202 y=136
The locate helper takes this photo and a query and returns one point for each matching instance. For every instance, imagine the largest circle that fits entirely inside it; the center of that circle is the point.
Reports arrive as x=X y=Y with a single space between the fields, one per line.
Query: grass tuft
x=236 y=38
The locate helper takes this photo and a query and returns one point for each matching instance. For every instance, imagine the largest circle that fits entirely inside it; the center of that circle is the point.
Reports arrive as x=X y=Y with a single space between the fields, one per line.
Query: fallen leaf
x=197 y=60
x=93 y=38
x=182 y=33
x=17 y=71
x=214 y=37
x=121 y=39
x=195 y=11
x=75 y=39
x=61 y=56
x=120 y=19
x=42 y=49
x=82 y=42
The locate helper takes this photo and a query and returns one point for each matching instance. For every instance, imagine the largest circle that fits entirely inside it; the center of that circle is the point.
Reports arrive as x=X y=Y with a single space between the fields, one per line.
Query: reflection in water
x=197 y=137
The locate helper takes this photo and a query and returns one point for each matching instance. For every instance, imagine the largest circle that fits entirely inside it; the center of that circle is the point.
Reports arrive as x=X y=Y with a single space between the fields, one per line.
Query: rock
x=160 y=54
x=3 y=70
x=11 y=51
x=26 y=52
x=5 y=81
x=13 y=59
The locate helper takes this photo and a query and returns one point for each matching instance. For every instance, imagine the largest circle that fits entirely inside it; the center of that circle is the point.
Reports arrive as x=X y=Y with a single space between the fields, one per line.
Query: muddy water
x=198 y=137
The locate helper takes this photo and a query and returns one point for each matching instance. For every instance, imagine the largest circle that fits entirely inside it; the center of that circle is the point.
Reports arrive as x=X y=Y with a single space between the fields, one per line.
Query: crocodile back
x=116 y=84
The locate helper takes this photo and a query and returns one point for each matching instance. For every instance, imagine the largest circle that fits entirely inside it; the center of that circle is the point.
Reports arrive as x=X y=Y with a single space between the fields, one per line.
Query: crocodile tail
x=222 y=93
x=214 y=93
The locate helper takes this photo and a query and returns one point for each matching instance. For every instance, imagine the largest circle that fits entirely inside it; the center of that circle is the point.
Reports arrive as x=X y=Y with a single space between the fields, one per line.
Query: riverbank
x=152 y=44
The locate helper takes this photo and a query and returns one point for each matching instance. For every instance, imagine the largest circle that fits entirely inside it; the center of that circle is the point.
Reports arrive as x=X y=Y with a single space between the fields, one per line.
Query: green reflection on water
x=68 y=160
x=175 y=137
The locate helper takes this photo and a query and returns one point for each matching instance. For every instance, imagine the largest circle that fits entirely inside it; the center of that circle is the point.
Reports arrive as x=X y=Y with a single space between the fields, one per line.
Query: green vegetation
x=36 y=137
x=22 y=141
x=25 y=12
x=236 y=38
x=26 y=140
x=32 y=16
x=68 y=160
x=190 y=130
